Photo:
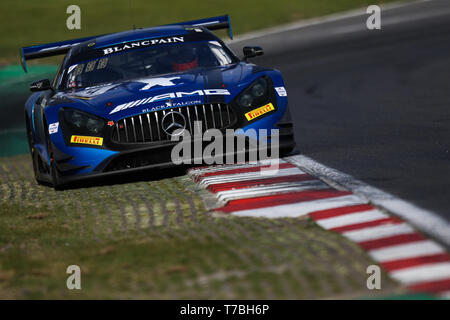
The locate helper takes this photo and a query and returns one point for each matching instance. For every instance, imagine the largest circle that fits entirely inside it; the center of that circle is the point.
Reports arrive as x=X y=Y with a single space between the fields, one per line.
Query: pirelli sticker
x=96 y=141
x=259 y=112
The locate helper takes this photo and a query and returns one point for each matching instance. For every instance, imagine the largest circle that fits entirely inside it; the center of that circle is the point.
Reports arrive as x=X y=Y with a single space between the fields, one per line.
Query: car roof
x=139 y=34
x=102 y=41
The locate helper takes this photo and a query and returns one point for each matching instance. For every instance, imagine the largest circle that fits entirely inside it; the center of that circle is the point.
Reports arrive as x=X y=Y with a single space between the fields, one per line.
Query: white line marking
x=196 y=172
x=229 y=195
x=300 y=208
x=425 y=220
x=379 y=232
x=351 y=218
x=409 y=250
x=248 y=176
x=424 y=273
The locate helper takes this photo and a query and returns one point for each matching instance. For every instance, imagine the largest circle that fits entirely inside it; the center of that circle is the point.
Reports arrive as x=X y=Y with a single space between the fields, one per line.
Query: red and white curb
x=365 y=215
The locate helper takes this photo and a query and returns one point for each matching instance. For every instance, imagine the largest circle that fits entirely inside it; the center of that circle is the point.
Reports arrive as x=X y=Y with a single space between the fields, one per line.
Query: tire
x=56 y=179
x=288 y=151
x=36 y=160
x=37 y=167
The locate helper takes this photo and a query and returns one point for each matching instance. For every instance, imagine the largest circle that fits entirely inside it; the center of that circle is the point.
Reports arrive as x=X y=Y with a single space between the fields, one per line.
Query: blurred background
x=30 y=22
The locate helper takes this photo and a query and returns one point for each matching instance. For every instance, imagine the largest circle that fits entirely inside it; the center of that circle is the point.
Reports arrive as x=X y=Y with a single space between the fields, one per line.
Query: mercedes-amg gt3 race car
x=116 y=100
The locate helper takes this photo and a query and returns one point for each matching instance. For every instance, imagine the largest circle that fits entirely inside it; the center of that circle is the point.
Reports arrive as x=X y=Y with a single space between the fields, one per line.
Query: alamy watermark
x=74 y=280
x=213 y=146
x=74 y=20
x=374 y=280
x=374 y=20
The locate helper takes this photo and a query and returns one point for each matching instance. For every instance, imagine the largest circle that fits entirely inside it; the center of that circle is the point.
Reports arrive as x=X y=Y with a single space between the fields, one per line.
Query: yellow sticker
x=96 y=141
x=260 y=111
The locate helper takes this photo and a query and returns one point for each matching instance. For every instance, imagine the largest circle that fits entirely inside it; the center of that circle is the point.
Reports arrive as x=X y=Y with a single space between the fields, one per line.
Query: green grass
x=154 y=239
x=28 y=22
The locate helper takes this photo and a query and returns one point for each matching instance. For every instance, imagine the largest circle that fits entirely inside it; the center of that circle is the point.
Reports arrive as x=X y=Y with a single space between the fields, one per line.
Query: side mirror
x=251 y=52
x=40 y=85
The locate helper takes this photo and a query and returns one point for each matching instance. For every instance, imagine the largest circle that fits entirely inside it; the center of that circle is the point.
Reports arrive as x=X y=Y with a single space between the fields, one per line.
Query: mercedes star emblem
x=173 y=121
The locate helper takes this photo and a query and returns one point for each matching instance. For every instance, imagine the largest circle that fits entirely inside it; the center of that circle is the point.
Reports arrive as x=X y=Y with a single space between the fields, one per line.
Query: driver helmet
x=184 y=58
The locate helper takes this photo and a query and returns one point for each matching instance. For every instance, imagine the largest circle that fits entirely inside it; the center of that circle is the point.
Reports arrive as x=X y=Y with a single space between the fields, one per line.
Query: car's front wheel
x=56 y=179
x=37 y=167
x=36 y=160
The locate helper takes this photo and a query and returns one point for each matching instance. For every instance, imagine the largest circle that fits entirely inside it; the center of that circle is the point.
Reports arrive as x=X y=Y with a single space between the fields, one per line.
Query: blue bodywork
x=43 y=108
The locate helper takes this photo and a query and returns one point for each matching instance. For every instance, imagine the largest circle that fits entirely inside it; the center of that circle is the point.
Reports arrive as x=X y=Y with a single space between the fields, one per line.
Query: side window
x=220 y=53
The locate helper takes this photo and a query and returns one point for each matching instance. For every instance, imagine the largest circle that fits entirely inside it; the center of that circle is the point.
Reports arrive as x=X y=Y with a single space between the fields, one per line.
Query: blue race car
x=117 y=99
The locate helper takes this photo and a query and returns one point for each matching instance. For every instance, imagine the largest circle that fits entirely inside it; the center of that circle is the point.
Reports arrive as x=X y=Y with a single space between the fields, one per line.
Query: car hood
x=118 y=100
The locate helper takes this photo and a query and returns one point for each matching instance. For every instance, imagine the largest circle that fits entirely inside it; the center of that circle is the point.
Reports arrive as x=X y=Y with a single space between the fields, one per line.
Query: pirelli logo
x=96 y=141
x=260 y=111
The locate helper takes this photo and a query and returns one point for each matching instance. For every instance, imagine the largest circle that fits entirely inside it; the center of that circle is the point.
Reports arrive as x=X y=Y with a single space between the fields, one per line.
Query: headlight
x=255 y=95
x=83 y=122
x=246 y=100
x=259 y=88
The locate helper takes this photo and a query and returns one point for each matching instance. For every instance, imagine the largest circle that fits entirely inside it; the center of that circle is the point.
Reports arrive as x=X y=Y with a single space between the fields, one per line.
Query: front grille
x=148 y=127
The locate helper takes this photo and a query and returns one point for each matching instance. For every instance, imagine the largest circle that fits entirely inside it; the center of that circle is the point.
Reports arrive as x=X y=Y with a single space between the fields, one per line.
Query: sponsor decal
x=96 y=141
x=163 y=82
x=91 y=92
x=142 y=44
x=259 y=112
x=171 y=104
x=281 y=91
x=53 y=128
x=168 y=96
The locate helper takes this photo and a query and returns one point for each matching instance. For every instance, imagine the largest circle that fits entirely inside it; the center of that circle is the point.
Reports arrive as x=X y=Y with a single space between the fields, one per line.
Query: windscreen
x=151 y=61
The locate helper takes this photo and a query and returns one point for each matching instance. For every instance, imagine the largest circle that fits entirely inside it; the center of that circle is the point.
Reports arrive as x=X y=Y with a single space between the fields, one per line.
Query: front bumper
x=158 y=157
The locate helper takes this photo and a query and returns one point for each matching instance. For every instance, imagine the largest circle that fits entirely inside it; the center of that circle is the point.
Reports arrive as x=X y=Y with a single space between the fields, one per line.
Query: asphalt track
x=373 y=103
